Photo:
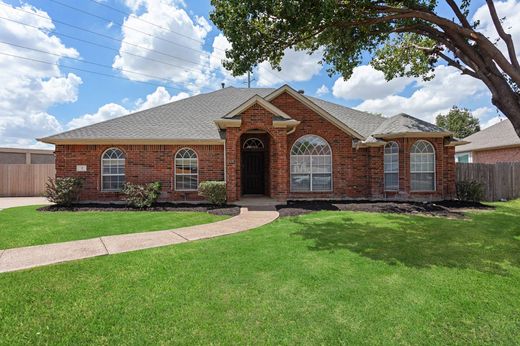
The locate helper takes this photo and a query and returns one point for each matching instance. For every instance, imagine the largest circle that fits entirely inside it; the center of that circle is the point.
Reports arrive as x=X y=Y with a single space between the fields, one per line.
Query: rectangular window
x=311 y=173
x=186 y=174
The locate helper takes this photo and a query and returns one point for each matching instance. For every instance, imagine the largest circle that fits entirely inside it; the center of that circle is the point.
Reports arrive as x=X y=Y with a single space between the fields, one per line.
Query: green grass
x=322 y=278
x=24 y=226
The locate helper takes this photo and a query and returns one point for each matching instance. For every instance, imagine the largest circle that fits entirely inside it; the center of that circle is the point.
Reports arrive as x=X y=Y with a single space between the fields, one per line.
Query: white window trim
x=253 y=138
x=311 y=173
x=184 y=174
x=470 y=157
x=109 y=174
x=434 y=167
x=384 y=170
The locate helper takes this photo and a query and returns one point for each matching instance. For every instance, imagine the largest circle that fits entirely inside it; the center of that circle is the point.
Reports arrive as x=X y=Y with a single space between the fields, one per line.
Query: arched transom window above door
x=311 y=165
x=253 y=144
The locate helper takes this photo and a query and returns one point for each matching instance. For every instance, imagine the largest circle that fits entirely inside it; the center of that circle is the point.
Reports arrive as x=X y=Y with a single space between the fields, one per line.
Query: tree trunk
x=508 y=102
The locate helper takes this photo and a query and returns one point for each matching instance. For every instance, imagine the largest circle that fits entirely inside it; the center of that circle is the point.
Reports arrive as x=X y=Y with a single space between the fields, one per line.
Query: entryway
x=253 y=165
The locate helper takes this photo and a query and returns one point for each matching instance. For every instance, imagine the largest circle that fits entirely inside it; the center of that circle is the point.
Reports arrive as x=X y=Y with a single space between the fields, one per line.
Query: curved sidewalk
x=40 y=255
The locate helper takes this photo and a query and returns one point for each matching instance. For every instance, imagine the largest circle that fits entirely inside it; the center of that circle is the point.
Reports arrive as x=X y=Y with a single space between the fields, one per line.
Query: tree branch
x=462 y=18
x=456 y=64
x=505 y=36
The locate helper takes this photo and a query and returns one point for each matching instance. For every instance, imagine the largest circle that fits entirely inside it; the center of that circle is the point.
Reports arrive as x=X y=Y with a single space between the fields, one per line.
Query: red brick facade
x=357 y=173
x=497 y=155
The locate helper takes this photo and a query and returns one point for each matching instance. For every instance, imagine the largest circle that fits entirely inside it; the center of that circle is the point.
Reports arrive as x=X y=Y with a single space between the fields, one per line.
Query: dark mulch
x=230 y=210
x=452 y=209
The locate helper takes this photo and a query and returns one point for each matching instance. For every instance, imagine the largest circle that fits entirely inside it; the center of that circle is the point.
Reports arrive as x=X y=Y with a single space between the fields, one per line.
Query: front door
x=253 y=179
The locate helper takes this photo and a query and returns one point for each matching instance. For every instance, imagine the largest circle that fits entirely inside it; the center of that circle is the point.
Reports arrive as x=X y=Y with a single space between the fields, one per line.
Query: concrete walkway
x=40 y=255
x=9 y=202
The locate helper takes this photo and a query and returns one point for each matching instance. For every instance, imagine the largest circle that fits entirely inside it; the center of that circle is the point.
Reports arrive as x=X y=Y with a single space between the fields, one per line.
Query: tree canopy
x=459 y=121
x=403 y=38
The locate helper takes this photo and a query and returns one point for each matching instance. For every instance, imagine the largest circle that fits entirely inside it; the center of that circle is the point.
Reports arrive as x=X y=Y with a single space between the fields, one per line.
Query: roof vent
x=223 y=85
x=301 y=91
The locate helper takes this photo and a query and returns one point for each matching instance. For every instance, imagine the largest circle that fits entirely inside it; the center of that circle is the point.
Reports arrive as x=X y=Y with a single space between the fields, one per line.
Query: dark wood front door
x=253 y=167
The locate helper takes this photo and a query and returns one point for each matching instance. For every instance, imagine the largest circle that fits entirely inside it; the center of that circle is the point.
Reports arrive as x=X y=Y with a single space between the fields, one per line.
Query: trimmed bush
x=213 y=191
x=63 y=191
x=470 y=190
x=141 y=196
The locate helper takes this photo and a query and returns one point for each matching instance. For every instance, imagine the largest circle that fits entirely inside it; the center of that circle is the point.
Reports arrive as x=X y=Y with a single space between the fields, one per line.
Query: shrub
x=470 y=190
x=213 y=191
x=141 y=196
x=63 y=191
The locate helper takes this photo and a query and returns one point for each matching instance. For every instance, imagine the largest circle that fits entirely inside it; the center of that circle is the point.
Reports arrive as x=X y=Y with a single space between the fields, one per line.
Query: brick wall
x=357 y=173
x=144 y=164
x=497 y=155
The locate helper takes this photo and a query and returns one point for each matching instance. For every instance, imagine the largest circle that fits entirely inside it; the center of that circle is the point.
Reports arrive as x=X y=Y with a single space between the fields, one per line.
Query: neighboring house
x=497 y=143
x=274 y=142
x=24 y=172
x=26 y=156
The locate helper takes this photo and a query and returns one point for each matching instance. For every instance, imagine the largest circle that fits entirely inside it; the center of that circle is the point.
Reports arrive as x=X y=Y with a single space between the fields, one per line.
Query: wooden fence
x=501 y=180
x=17 y=180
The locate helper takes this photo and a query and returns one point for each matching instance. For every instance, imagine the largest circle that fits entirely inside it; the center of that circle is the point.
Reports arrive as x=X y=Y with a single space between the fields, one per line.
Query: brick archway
x=254 y=120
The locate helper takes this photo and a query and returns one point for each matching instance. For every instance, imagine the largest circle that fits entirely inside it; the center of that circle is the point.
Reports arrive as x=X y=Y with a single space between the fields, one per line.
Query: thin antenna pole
x=248 y=79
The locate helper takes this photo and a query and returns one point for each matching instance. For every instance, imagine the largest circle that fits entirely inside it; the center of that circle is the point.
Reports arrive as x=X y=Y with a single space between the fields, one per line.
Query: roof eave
x=122 y=141
x=413 y=134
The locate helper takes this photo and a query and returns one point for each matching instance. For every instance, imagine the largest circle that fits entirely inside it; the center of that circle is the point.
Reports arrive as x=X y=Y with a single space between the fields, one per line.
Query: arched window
x=186 y=170
x=253 y=144
x=391 y=163
x=422 y=166
x=311 y=164
x=112 y=170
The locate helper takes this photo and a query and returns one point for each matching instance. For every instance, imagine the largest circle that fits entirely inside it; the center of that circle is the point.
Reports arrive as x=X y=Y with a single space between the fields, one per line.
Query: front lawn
x=322 y=278
x=24 y=226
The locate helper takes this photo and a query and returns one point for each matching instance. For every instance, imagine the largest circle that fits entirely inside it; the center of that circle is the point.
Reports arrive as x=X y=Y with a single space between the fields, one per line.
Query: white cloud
x=29 y=88
x=322 y=90
x=181 y=44
x=368 y=83
x=105 y=112
x=510 y=12
x=113 y=110
x=159 y=97
x=297 y=66
x=448 y=88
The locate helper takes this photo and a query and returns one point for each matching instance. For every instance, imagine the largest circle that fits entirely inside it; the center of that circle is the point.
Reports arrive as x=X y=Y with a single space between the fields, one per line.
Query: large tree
x=459 y=121
x=404 y=38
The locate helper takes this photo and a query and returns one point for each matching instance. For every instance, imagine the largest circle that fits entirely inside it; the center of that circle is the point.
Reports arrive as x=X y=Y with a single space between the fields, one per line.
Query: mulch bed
x=230 y=210
x=451 y=209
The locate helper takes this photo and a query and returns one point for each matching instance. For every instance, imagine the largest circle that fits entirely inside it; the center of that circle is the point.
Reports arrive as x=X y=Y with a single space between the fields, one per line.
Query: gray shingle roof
x=362 y=122
x=403 y=123
x=193 y=119
x=499 y=135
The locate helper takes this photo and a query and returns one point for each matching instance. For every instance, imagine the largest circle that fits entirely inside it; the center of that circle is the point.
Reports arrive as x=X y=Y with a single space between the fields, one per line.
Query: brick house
x=274 y=142
x=497 y=143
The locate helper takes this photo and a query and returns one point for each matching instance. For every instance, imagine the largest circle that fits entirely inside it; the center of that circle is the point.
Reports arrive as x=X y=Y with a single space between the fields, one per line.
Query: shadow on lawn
x=489 y=242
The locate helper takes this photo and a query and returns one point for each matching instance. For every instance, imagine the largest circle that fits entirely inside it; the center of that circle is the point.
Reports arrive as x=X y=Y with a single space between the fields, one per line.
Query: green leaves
x=459 y=121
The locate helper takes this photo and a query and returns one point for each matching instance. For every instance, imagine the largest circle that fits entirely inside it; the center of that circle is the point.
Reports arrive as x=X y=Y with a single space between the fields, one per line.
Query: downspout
x=225 y=164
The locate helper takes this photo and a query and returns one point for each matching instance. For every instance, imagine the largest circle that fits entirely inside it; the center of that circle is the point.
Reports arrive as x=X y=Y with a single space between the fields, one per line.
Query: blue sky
x=168 y=50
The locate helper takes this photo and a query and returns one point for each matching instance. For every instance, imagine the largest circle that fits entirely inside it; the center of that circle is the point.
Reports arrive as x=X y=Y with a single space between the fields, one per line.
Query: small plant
x=63 y=191
x=213 y=191
x=470 y=190
x=141 y=196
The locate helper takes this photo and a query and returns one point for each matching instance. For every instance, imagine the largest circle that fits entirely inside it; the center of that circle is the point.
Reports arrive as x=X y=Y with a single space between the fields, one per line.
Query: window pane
x=391 y=181
x=186 y=182
x=423 y=181
x=300 y=182
x=321 y=182
x=300 y=164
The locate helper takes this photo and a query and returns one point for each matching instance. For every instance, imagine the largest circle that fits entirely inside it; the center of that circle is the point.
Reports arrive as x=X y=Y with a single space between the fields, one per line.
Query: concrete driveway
x=9 y=202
